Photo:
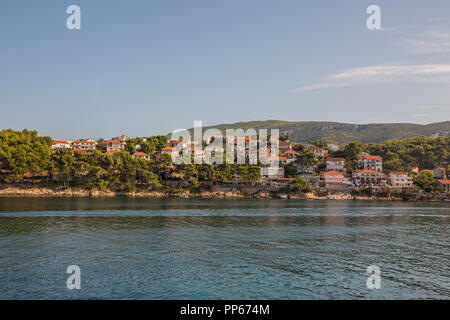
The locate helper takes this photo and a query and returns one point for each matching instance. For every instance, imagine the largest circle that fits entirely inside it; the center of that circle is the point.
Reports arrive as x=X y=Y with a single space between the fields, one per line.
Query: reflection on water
x=222 y=249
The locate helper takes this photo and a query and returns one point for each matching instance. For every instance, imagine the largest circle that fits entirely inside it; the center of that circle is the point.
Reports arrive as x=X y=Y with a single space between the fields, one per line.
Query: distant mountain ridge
x=342 y=133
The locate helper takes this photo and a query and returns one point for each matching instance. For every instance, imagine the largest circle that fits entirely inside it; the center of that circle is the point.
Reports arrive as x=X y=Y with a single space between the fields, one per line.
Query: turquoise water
x=222 y=249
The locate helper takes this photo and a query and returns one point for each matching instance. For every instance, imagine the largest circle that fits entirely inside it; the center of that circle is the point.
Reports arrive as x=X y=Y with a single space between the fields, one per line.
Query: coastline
x=152 y=194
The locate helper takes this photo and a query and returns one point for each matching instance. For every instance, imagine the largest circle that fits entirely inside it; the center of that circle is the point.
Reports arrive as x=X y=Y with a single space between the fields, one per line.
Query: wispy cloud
x=429 y=73
x=433 y=106
x=432 y=41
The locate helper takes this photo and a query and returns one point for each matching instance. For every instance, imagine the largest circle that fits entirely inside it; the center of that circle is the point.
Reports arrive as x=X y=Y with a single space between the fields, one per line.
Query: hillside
x=342 y=133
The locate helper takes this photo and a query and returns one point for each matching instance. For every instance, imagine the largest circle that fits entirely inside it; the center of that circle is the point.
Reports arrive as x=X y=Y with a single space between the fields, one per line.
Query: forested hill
x=342 y=133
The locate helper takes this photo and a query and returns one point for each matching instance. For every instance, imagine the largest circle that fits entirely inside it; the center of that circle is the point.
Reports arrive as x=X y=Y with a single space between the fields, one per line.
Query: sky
x=147 y=67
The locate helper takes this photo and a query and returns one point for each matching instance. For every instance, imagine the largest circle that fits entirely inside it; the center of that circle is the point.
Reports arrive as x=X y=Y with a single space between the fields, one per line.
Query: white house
x=115 y=145
x=60 y=145
x=141 y=155
x=400 y=180
x=369 y=162
x=335 y=164
x=84 y=144
x=332 y=176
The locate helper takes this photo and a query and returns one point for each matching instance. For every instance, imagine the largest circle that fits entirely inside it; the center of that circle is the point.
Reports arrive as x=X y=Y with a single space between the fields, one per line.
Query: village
x=310 y=163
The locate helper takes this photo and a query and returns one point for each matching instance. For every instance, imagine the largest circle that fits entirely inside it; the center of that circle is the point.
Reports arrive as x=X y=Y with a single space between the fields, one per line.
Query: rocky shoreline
x=68 y=192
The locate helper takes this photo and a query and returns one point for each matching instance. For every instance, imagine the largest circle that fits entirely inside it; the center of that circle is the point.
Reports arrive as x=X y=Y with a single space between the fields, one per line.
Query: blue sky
x=149 y=67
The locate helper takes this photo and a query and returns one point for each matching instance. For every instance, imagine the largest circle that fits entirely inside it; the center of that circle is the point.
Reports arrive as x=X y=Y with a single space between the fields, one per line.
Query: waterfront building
x=369 y=178
x=372 y=162
x=335 y=164
x=332 y=176
x=400 y=180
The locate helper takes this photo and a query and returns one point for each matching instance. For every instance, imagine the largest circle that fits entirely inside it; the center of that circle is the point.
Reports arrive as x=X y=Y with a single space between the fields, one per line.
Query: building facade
x=115 y=145
x=400 y=180
x=84 y=144
x=369 y=162
x=335 y=164
x=369 y=178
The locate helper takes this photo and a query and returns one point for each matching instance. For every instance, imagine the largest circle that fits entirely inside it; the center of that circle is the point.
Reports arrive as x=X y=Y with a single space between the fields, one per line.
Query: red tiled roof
x=402 y=173
x=115 y=142
x=83 y=141
x=332 y=173
x=111 y=151
x=167 y=149
x=369 y=171
x=79 y=150
x=57 y=141
x=140 y=154
x=291 y=152
x=369 y=157
x=444 y=181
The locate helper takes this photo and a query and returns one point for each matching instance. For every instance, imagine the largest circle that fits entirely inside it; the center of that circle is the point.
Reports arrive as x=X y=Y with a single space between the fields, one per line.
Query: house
x=141 y=155
x=319 y=153
x=122 y=138
x=332 y=176
x=291 y=154
x=84 y=144
x=369 y=162
x=335 y=164
x=284 y=146
x=56 y=144
x=306 y=168
x=369 y=178
x=400 y=180
x=272 y=172
x=445 y=184
x=440 y=173
x=115 y=145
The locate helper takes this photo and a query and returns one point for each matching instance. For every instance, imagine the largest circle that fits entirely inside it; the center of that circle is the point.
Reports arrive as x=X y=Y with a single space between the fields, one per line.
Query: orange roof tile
x=57 y=141
x=115 y=142
x=369 y=157
x=140 y=154
x=332 y=173
x=369 y=171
